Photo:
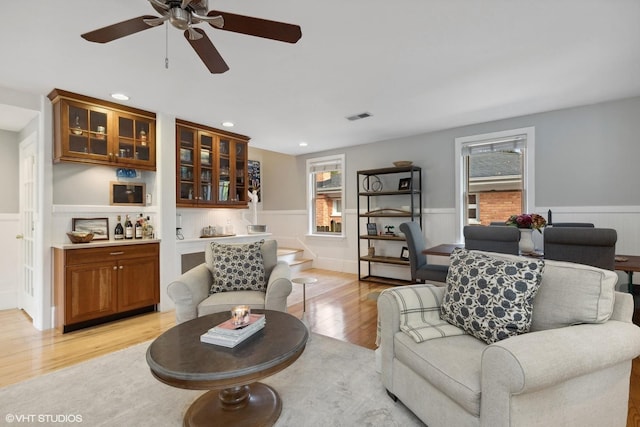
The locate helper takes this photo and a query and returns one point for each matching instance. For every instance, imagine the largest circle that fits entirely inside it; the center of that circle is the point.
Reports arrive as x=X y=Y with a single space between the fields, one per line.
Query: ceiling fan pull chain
x=166 y=45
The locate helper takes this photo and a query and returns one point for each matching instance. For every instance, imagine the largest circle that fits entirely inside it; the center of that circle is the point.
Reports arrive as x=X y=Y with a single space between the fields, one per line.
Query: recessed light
x=303 y=144
x=227 y=124
x=120 y=96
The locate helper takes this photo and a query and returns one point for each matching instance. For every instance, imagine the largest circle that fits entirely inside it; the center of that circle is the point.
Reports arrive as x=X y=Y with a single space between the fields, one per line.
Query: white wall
x=586 y=161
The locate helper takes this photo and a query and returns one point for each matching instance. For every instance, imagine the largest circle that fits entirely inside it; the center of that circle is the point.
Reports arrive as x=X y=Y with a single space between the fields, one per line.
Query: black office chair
x=573 y=224
x=582 y=245
x=420 y=269
x=492 y=239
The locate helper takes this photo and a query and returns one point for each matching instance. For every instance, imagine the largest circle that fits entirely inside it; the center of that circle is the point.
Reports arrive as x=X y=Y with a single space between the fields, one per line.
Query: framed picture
x=98 y=226
x=372 y=229
x=404 y=184
x=404 y=254
x=127 y=193
x=253 y=167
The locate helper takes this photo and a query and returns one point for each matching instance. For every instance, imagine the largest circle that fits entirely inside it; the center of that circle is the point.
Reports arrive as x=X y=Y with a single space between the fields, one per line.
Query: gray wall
x=585 y=156
x=9 y=172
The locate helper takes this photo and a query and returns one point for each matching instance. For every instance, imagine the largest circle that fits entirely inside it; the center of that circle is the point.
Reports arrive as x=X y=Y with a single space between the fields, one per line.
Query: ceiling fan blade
x=259 y=27
x=207 y=52
x=116 y=31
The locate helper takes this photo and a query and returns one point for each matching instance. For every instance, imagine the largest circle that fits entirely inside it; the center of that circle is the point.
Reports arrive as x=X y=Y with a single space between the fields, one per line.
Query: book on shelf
x=229 y=335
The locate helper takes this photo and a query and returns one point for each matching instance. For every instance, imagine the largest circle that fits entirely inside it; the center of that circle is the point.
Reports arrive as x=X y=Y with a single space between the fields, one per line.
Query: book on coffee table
x=229 y=335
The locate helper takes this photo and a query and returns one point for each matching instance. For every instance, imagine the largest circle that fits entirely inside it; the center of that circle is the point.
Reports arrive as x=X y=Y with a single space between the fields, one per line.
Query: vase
x=526 y=241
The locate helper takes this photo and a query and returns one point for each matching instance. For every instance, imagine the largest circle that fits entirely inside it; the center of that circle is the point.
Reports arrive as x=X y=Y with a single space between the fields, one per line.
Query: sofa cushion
x=489 y=297
x=237 y=267
x=571 y=294
x=451 y=364
x=225 y=301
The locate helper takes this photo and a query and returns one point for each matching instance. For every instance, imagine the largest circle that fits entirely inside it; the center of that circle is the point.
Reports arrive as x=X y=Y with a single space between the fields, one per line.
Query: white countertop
x=225 y=238
x=102 y=243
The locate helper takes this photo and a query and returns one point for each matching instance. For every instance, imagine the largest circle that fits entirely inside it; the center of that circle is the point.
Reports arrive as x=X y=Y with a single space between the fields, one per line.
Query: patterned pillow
x=491 y=298
x=237 y=267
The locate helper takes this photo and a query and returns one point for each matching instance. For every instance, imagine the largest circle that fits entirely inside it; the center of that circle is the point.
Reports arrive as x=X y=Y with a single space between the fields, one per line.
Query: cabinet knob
x=115 y=267
x=121 y=267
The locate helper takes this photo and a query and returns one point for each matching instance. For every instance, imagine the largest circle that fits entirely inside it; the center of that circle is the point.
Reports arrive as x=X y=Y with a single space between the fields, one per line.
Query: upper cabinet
x=89 y=130
x=211 y=167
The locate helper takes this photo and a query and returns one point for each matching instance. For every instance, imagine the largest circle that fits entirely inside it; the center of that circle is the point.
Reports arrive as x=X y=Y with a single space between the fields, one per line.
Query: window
x=325 y=185
x=494 y=177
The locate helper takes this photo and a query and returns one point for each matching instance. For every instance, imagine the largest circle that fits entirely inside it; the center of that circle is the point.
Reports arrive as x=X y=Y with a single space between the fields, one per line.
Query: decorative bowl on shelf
x=402 y=163
x=80 y=236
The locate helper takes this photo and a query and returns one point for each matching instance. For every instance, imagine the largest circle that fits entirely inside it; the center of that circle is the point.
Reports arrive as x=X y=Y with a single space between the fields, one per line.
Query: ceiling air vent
x=358 y=116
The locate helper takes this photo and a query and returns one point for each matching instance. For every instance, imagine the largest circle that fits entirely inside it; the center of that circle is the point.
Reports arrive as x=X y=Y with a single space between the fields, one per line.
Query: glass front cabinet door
x=88 y=130
x=210 y=167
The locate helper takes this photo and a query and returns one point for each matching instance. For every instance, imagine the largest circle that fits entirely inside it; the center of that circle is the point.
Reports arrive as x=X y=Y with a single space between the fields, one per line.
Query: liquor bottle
x=149 y=234
x=139 y=227
x=128 y=228
x=119 y=231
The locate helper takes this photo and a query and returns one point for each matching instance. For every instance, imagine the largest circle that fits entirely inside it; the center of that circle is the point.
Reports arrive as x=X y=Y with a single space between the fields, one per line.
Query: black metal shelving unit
x=367 y=192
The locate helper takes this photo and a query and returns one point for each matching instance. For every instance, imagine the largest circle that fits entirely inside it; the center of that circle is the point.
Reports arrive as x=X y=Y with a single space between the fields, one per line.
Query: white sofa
x=572 y=369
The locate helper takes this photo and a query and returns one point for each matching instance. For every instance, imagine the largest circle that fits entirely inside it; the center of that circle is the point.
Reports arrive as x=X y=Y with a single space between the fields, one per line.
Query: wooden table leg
x=253 y=405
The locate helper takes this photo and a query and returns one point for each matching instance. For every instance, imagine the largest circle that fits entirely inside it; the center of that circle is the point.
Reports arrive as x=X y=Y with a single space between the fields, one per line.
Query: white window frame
x=311 y=163
x=460 y=170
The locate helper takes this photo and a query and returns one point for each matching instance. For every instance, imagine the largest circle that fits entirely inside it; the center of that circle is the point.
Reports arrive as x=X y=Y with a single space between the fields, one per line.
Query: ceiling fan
x=184 y=14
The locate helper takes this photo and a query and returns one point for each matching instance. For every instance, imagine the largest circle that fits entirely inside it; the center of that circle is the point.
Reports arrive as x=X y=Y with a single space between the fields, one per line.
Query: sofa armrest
x=537 y=360
x=189 y=290
x=622 y=307
x=278 y=287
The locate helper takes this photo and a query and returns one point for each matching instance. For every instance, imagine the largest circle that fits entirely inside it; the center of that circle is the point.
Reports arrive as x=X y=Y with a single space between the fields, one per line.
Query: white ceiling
x=415 y=65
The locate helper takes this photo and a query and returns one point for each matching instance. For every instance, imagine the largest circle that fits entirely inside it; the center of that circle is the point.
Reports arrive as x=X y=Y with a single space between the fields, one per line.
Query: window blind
x=325 y=166
x=515 y=143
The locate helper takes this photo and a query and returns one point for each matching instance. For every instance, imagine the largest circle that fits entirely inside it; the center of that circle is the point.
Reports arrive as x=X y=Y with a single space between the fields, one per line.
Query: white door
x=28 y=211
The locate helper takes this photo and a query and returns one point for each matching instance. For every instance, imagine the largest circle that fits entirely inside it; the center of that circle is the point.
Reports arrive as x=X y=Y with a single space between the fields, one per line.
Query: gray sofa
x=191 y=291
x=572 y=369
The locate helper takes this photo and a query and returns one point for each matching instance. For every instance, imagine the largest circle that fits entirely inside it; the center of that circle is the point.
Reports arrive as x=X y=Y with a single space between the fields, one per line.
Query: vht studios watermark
x=43 y=418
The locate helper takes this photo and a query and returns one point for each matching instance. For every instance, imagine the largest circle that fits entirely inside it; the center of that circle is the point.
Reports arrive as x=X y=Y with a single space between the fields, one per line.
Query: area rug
x=333 y=383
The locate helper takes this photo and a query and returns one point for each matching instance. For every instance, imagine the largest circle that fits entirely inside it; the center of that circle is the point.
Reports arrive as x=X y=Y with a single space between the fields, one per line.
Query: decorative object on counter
x=404 y=184
x=402 y=163
x=138 y=227
x=549 y=218
x=80 y=237
x=98 y=226
x=208 y=232
x=128 y=228
x=372 y=183
x=127 y=193
x=255 y=228
x=118 y=233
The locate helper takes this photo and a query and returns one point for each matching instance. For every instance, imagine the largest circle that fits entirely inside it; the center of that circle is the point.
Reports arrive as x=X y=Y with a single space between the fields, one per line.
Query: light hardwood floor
x=338 y=306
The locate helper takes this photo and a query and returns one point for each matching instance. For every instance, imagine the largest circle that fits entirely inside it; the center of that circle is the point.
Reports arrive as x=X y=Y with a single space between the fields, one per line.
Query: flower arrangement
x=532 y=221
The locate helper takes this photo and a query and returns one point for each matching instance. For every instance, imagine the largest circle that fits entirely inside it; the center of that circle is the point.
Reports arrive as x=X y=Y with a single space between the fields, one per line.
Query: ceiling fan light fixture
x=179 y=18
x=120 y=96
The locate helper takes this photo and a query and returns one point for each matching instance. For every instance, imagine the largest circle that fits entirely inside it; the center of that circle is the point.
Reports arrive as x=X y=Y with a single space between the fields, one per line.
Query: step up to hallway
x=294 y=257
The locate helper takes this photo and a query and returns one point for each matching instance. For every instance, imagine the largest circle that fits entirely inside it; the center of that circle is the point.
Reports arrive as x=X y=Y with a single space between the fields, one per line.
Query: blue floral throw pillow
x=491 y=298
x=237 y=267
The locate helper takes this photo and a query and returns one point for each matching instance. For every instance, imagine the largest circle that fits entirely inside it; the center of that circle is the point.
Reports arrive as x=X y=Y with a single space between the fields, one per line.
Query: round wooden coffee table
x=178 y=358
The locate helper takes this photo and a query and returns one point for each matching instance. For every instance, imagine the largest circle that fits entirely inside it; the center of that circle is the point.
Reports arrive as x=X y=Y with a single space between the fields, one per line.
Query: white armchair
x=572 y=369
x=191 y=292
